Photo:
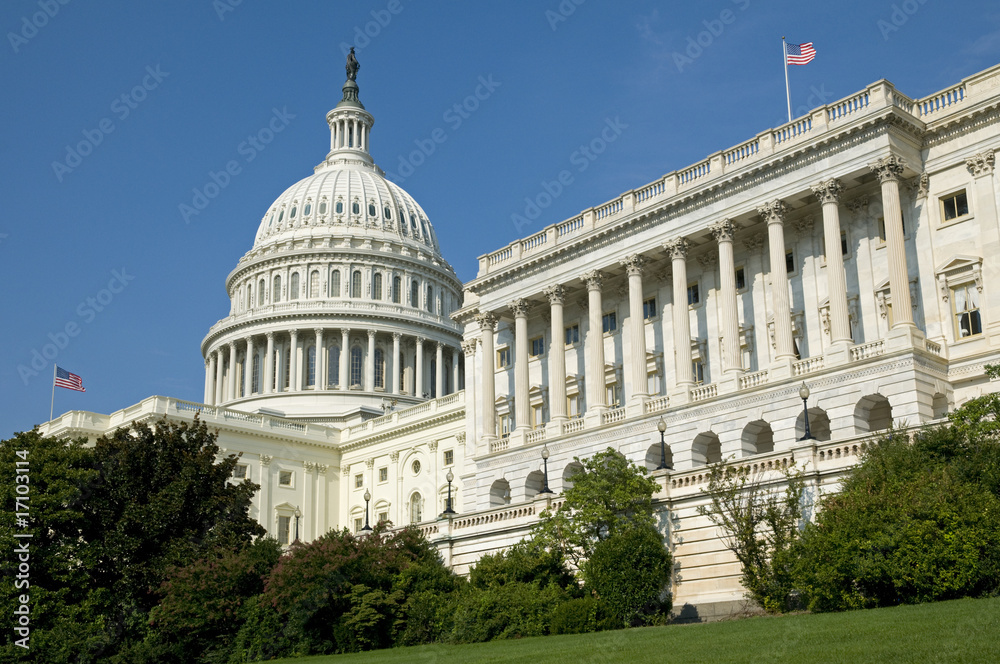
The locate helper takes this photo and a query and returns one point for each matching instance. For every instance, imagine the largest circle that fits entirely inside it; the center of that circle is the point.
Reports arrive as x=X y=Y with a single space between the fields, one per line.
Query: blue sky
x=116 y=112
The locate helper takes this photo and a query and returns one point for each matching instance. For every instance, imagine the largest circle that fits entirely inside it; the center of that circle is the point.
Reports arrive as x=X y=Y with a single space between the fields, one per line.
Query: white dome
x=346 y=199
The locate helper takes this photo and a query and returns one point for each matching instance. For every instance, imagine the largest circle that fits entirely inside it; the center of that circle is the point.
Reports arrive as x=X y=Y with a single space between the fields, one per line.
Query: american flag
x=69 y=380
x=799 y=54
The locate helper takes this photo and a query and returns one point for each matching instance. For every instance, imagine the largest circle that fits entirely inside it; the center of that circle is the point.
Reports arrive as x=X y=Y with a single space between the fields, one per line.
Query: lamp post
x=447 y=510
x=297 y=515
x=662 y=427
x=804 y=395
x=368 y=496
x=545 y=477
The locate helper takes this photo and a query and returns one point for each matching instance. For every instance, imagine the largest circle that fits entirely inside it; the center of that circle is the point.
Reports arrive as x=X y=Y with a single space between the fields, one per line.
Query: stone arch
x=819 y=425
x=940 y=406
x=757 y=438
x=533 y=484
x=571 y=469
x=706 y=449
x=499 y=493
x=872 y=413
x=654 y=456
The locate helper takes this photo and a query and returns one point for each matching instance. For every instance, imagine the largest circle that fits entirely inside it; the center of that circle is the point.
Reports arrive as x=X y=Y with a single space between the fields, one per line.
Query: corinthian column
x=828 y=194
x=889 y=170
x=487 y=323
x=677 y=249
x=220 y=368
x=370 y=363
x=557 y=355
x=231 y=382
x=345 y=358
x=595 y=344
x=723 y=232
x=269 y=365
x=248 y=371
x=209 y=375
x=293 y=361
x=521 y=405
x=320 y=364
x=636 y=330
x=774 y=214
x=396 y=359
x=418 y=386
x=439 y=370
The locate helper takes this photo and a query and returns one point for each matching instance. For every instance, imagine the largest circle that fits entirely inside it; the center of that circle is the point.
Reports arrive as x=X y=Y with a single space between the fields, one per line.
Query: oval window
x=281 y=215
x=322 y=207
x=416 y=467
x=308 y=209
x=292 y=215
x=371 y=209
x=340 y=207
x=355 y=208
x=388 y=212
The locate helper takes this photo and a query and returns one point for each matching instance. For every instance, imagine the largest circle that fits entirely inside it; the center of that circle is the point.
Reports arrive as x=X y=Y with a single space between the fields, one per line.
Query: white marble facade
x=706 y=298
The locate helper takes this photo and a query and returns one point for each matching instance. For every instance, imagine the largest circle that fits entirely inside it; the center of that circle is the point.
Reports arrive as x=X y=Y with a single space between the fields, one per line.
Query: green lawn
x=956 y=631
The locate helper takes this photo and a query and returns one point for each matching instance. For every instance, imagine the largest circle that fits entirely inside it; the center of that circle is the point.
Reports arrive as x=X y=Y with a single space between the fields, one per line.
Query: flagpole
x=52 y=405
x=788 y=94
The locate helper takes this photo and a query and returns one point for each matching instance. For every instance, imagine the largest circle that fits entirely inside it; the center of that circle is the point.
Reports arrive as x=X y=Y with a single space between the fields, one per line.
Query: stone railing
x=613 y=415
x=495 y=515
x=941 y=102
x=808 y=365
x=702 y=392
x=933 y=348
x=868 y=350
x=499 y=445
x=657 y=404
x=413 y=412
x=753 y=379
x=573 y=426
x=534 y=436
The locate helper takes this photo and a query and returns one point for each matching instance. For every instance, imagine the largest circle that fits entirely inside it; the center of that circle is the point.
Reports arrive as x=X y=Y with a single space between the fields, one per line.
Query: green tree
x=759 y=515
x=629 y=572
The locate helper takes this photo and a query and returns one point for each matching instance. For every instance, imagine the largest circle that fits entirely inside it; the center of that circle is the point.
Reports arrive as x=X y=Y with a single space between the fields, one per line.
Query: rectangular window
x=383 y=474
x=383 y=517
x=649 y=309
x=881 y=228
x=536 y=416
x=503 y=358
x=843 y=243
x=359 y=481
x=449 y=457
x=240 y=471
x=609 y=322
x=741 y=278
x=285 y=478
x=358 y=524
x=966 y=302
x=283 y=529
x=614 y=395
x=572 y=335
x=698 y=371
x=789 y=262
x=573 y=406
x=537 y=346
x=954 y=206
x=694 y=295
x=506 y=425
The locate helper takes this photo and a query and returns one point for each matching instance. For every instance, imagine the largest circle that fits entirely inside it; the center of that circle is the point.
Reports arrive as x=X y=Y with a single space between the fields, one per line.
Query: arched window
x=322 y=207
x=308 y=209
x=333 y=367
x=293 y=287
x=414 y=293
x=396 y=289
x=413 y=225
x=314 y=284
x=355 y=208
x=416 y=508
x=260 y=293
x=255 y=376
x=340 y=207
x=249 y=296
x=377 y=286
x=294 y=210
x=276 y=291
x=242 y=383
x=356 y=366
x=335 y=283
x=387 y=212
x=311 y=366
x=356 y=283
x=379 y=369
x=430 y=298
x=371 y=209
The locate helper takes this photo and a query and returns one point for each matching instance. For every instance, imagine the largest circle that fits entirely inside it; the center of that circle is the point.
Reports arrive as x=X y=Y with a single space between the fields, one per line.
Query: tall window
x=967 y=320
x=283 y=529
x=335 y=283
x=276 y=291
x=694 y=295
x=249 y=296
x=609 y=322
x=255 y=375
x=243 y=372
x=333 y=367
x=356 y=366
x=356 y=283
x=537 y=347
x=311 y=366
x=649 y=309
x=416 y=507
x=430 y=298
x=314 y=284
x=293 y=287
x=377 y=286
x=414 y=293
x=260 y=293
x=397 y=292
x=572 y=335
x=379 y=369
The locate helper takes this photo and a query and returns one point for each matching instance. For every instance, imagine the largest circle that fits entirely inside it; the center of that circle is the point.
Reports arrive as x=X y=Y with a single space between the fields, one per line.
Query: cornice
x=399 y=430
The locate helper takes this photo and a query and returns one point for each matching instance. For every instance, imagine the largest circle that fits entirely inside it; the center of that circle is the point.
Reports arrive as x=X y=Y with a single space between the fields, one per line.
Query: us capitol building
x=844 y=252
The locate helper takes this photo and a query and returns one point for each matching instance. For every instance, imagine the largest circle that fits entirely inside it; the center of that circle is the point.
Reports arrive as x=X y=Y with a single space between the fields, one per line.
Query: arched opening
x=377 y=286
x=706 y=449
x=940 y=406
x=533 y=484
x=379 y=369
x=758 y=438
x=293 y=287
x=276 y=291
x=572 y=468
x=500 y=493
x=356 y=367
x=873 y=413
x=356 y=284
x=333 y=367
x=819 y=425
x=311 y=366
x=416 y=508
x=654 y=456
x=335 y=283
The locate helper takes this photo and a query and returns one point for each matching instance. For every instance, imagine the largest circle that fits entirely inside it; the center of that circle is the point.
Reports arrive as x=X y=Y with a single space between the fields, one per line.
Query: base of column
x=905 y=337
x=780 y=369
x=594 y=417
x=486 y=443
x=555 y=426
x=839 y=353
x=680 y=394
x=730 y=381
x=518 y=436
x=636 y=405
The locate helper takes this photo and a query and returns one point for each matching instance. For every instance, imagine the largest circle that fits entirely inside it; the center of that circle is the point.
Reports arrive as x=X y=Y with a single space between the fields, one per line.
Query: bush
x=509 y=611
x=575 y=616
x=630 y=572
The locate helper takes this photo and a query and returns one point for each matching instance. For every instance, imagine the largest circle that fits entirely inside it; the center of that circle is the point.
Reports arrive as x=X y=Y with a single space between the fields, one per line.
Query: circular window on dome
x=416 y=467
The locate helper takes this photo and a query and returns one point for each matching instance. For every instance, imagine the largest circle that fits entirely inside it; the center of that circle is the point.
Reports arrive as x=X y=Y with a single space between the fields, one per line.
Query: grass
x=955 y=631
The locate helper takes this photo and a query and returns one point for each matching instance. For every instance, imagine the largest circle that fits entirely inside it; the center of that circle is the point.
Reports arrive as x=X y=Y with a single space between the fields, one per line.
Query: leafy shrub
x=575 y=616
x=629 y=572
x=511 y=610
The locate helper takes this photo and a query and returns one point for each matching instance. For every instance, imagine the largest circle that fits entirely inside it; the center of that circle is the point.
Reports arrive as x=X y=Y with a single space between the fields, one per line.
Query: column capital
x=371 y=334
x=633 y=265
x=980 y=163
x=318 y=330
x=265 y=459
x=321 y=468
x=723 y=230
x=439 y=345
x=888 y=169
x=773 y=212
x=208 y=360
x=520 y=307
x=804 y=225
x=676 y=248
x=248 y=339
x=396 y=336
x=419 y=341
x=858 y=204
x=594 y=280
x=269 y=335
x=556 y=294
x=828 y=191
x=469 y=346
x=753 y=242
x=232 y=345
x=708 y=260
x=487 y=320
